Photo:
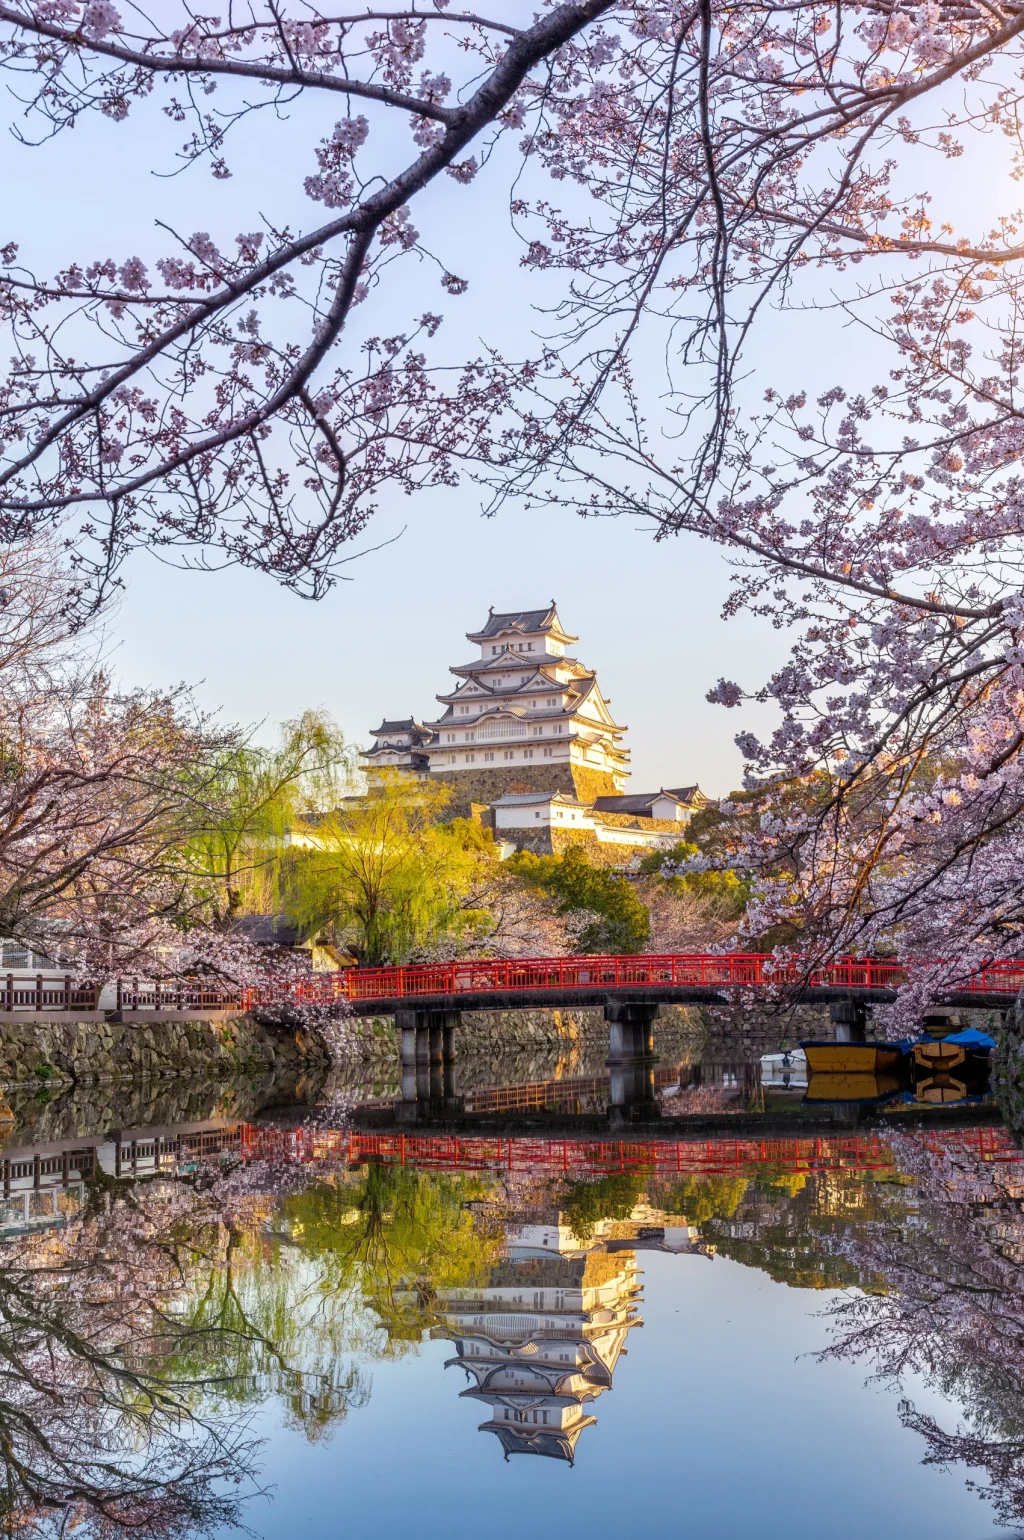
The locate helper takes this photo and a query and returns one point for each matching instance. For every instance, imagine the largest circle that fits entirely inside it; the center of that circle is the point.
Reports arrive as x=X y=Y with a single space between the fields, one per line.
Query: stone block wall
x=545 y=841
x=58 y=1052
x=497 y=1034
x=591 y=784
x=485 y=784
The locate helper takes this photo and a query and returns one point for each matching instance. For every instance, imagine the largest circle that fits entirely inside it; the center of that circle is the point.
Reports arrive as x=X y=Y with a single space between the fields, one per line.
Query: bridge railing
x=727 y=970
x=45 y=992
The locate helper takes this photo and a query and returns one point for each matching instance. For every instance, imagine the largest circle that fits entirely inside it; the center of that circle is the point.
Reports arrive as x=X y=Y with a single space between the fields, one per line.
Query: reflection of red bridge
x=696 y=978
x=601 y=1157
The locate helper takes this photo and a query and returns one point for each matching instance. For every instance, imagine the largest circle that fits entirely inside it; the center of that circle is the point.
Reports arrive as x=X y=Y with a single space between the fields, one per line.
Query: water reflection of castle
x=540 y=1340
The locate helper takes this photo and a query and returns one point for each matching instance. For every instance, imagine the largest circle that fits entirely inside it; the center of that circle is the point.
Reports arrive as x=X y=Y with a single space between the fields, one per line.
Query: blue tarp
x=970 y=1037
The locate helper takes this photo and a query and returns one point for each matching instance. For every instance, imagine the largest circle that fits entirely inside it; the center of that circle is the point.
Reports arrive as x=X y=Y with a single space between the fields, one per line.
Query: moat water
x=711 y=1309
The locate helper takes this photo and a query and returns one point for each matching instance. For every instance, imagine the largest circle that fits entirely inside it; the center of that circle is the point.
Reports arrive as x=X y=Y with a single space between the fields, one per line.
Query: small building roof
x=519 y=799
x=635 y=802
x=415 y=751
x=267 y=930
x=687 y=794
x=406 y=725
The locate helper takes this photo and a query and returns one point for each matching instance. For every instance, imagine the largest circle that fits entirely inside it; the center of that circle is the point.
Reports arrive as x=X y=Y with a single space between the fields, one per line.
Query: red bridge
x=697 y=978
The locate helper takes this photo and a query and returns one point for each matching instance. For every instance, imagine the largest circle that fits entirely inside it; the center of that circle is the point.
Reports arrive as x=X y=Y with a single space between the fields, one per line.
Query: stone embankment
x=60 y=1052
x=498 y=1035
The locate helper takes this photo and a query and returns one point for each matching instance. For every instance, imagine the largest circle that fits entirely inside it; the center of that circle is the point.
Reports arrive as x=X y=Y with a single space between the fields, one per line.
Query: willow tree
x=244 y=808
x=387 y=876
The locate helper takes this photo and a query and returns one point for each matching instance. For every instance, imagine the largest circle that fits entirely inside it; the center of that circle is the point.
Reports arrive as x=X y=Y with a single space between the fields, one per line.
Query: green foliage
x=242 y=810
x=701 y=1198
x=614 y=918
x=406 y=1233
x=347 y=1272
x=611 y=1197
x=726 y=889
x=384 y=874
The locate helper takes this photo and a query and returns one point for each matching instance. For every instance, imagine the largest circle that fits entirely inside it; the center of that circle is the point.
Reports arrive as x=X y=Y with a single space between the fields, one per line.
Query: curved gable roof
x=523 y=621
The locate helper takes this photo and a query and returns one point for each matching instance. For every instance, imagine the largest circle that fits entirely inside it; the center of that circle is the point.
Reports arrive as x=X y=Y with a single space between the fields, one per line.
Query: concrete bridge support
x=631 y=1059
x=849 y=1019
x=427 y=1047
x=630 y=1029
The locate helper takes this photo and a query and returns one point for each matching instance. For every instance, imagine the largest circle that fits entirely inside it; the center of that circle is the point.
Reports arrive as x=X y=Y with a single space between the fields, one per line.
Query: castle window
x=537 y=815
x=527 y=753
x=470 y=737
x=509 y=754
x=493 y=651
x=550 y=701
x=538 y=732
x=489 y=755
x=547 y=753
x=470 y=758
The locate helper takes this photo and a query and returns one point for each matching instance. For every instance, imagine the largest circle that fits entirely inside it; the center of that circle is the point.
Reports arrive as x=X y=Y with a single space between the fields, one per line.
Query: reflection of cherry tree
x=98 y=1434
x=134 y=1341
x=953 y=1307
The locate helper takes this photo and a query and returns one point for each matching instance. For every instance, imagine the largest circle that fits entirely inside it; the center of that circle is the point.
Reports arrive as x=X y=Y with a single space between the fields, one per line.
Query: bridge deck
x=684 y=979
x=524 y=983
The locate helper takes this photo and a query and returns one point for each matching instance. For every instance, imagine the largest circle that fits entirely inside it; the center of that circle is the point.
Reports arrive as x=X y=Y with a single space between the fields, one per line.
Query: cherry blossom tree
x=216 y=400
x=675 y=170
x=94 y=785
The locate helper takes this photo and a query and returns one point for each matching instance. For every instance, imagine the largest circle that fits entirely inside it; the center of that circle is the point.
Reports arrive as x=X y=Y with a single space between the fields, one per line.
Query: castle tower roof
x=526 y=622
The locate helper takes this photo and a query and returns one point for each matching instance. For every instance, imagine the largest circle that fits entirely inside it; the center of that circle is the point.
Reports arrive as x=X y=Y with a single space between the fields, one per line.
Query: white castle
x=528 y=741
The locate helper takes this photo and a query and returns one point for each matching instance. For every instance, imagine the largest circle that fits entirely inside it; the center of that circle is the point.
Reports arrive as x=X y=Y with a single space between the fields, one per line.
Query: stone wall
x=63 y=1111
x=545 y=841
x=500 y=1034
x=487 y=783
x=57 y=1052
x=591 y=784
x=598 y=852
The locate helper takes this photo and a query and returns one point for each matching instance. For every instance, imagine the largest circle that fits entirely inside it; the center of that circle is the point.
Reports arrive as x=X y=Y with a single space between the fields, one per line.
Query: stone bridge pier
x=427 y=1050
x=849 y=1019
x=631 y=1060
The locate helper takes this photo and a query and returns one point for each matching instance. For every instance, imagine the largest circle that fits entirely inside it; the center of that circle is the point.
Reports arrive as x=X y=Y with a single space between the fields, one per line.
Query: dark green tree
x=602 y=906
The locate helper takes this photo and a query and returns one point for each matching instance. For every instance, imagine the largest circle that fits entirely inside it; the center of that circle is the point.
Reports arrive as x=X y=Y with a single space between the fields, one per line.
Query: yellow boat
x=851 y=1087
x=939 y=1057
x=851 y=1058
